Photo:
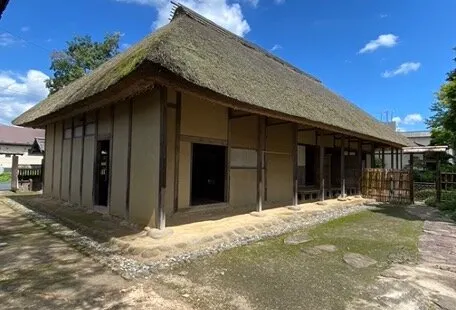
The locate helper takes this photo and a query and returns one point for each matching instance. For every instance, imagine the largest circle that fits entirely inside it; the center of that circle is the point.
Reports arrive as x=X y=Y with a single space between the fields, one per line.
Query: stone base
x=155 y=233
x=258 y=214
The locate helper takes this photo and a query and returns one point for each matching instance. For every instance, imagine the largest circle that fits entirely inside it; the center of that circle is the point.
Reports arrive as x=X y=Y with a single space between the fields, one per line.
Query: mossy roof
x=208 y=56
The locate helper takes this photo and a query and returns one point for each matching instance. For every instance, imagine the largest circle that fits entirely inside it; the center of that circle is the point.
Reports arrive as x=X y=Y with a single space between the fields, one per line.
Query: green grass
x=5 y=177
x=272 y=275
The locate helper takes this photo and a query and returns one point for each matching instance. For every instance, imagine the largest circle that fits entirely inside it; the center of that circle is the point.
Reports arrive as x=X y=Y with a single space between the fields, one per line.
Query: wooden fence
x=387 y=185
x=30 y=178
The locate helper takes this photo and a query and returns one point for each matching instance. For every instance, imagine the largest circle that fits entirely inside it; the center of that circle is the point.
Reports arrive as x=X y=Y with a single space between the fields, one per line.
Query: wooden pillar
x=294 y=156
x=383 y=157
x=401 y=158
x=373 y=159
x=392 y=157
x=360 y=166
x=177 y=150
x=342 y=167
x=15 y=173
x=260 y=162
x=412 y=192
x=228 y=156
x=160 y=218
x=322 y=176
x=397 y=158
x=438 y=180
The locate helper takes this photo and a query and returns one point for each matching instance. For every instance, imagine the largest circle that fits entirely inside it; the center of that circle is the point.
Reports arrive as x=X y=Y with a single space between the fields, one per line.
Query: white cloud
x=253 y=3
x=25 y=28
x=20 y=92
x=221 y=12
x=276 y=47
x=383 y=15
x=410 y=119
x=7 y=39
x=384 y=40
x=403 y=69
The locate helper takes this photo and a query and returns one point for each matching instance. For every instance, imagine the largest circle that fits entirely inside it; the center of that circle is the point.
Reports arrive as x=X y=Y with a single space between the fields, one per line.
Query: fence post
x=412 y=194
x=438 y=180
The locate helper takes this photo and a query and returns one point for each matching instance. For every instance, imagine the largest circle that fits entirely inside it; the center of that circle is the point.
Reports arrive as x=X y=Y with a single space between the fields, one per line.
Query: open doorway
x=208 y=174
x=102 y=173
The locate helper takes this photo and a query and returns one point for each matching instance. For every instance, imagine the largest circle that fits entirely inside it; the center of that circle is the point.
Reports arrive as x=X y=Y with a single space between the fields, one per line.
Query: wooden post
x=383 y=157
x=294 y=156
x=342 y=167
x=392 y=158
x=438 y=180
x=360 y=165
x=160 y=219
x=260 y=162
x=373 y=159
x=397 y=158
x=322 y=177
x=228 y=156
x=401 y=158
x=412 y=193
x=177 y=150
x=15 y=173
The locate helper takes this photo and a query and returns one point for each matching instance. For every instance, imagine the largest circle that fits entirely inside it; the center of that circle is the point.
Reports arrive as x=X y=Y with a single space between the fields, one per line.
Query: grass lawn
x=5 y=177
x=273 y=275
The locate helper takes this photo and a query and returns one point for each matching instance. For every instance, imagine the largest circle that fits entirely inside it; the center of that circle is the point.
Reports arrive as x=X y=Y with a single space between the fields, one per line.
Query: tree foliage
x=81 y=56
x=443 y=121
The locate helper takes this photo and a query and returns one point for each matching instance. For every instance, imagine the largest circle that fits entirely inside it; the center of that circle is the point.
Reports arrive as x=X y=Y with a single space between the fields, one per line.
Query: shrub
x=5 y=177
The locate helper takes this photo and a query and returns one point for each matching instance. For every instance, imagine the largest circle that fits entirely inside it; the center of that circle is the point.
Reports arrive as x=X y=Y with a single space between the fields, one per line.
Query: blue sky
x=383 y=55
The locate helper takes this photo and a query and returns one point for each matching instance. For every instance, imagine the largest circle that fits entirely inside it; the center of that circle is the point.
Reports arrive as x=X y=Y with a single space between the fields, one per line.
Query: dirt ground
x=404 y=259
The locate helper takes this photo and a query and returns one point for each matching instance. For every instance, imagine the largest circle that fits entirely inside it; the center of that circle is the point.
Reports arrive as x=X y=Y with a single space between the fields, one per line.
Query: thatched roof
x=3 y=4
x=211 y=58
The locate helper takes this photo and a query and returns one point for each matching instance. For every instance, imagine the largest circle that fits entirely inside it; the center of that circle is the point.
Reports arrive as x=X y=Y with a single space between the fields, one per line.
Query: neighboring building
x=20 y=141
x=194 y=115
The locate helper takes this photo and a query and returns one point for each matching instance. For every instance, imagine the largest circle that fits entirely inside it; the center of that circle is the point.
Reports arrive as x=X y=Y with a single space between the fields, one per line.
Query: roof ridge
x=182 y=9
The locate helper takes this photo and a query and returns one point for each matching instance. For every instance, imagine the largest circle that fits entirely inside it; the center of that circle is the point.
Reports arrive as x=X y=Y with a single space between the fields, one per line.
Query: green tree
x=443 y=120
x=81 y=56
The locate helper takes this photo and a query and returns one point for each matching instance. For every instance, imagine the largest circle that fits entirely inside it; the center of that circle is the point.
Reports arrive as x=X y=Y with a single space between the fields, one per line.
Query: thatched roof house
x=194 y=114
x=218 y=61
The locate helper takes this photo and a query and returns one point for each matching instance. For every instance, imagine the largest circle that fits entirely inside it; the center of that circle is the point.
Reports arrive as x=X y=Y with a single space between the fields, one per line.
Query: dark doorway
x=208 y=174
x=102 y=173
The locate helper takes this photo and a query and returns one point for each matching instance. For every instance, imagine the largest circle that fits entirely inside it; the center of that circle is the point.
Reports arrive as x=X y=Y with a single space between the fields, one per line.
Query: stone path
x=431 y=284
x=41 y=271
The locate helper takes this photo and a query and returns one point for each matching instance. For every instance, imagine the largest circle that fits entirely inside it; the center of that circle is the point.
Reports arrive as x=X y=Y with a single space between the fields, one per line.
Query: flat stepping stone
x=297 y=239
x=357 y=260
x=327 y=247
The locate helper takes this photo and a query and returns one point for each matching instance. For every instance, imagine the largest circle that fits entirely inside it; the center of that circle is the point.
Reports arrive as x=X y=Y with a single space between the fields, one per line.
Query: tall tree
x=81 y=56
x=443 y=121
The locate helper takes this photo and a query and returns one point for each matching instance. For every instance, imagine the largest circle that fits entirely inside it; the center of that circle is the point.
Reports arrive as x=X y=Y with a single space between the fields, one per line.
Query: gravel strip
x=111 y=257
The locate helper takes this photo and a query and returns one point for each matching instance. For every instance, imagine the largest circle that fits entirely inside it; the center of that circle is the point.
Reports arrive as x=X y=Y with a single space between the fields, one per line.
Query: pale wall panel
x=243 y=187
x=184 y=174
x=66 y=161
x=144 y=181
x=104 y=121
x=57 y=160
x=118 y=202
x=279 y=170
x=203 y=119
x=244 y=132
x=87 y=171
x=76 y=171
x=48 y=160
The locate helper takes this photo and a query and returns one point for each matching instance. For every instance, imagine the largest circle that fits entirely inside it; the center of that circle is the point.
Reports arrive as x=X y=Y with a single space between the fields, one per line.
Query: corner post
x=383 y=158
x=15 y=173
x=397 y=159
x=342 y=167
x=360 y=165
x=260 y=162
x=160 y=218
x=294 y=156
x=392 y=157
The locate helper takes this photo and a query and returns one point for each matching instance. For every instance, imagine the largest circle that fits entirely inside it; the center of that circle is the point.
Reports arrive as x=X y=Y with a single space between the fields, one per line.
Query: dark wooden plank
x=438 y=181
x=260 y=162
x=383 y=157
x=71 y=160
x=359 y=172
x=177 y=150
x=228 y=156
x=322 y=176
x=412 y=193
x=82 y=158
x=130 y=130
x=342 y=167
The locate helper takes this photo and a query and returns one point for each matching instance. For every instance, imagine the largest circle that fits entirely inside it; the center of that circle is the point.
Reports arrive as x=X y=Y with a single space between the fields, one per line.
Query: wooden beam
x=260 y=162
x=294 y=156
x=111 y=151
x=82 y=158
x=95 y=155
x=438 y=181
x=342 y=167
x=240 y=115
x=130 y=130
x=402 y=155
x=322 y=177
x=360 y=165
x=177 y=142
x=277 y=123
x=306 y=129
x=397 y=158
x=392 y=157
x=383 y=157
x=372 y=154
x=160 y=219
x=53 y=161
x=203 y=140
x=71 y=159
x=15 y=173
